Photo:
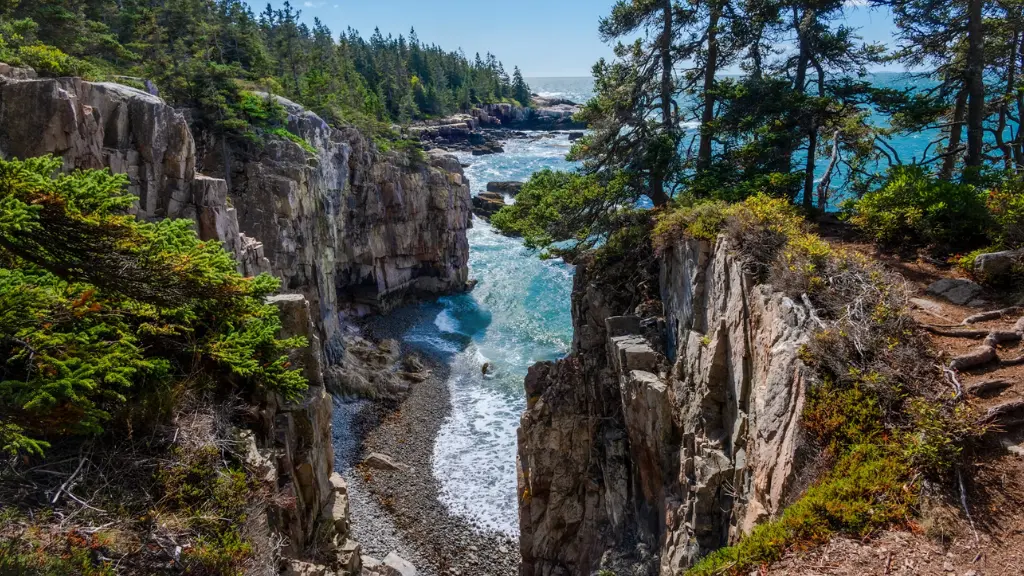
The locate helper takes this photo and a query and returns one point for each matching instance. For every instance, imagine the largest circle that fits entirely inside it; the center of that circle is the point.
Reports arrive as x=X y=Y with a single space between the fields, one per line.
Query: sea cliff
x=348 y=230
x=671 y=429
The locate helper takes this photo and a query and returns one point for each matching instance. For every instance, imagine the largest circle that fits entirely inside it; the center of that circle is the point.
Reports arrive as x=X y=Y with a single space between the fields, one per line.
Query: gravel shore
x=400 y=510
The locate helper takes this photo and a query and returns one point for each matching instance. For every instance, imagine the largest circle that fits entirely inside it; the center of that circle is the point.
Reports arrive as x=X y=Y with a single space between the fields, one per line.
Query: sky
x=543 y=37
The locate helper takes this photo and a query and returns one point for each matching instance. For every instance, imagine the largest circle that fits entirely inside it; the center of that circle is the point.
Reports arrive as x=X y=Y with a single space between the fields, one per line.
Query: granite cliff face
x=345 y=227
x=353 y=229
x=663 y=436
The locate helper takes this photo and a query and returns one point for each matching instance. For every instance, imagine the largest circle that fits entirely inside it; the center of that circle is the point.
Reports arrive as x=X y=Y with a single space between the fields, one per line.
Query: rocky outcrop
x=542 y=114
x=311 y=508
x=102 y=125
x=510 y=188
x=663 y=437
x=349 y=227
x=487 y=204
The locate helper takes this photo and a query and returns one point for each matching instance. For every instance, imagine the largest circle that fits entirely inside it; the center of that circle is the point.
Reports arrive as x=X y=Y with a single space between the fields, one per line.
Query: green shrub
x=284 y=133
x=1006 y=203
x=916 y=208
x=559 y=207
x=214 y=499
x=99 y=311
x=870 y=488
x=49 y=61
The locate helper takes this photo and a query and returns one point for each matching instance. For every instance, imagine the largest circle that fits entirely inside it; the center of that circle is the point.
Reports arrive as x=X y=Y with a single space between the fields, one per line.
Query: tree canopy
x=803 y=121
x=203 y=53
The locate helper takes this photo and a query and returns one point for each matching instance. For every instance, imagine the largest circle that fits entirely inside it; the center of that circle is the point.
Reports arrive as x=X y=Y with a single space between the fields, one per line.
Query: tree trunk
x=955 y=131
x=657 y=194
x=784 y=162
x=659 y=172
x=812 y=148
x=708 y=115
x=1004 y=106
x=666 y=67
x=826 y=180
x=975 y=88
x=1018 y=142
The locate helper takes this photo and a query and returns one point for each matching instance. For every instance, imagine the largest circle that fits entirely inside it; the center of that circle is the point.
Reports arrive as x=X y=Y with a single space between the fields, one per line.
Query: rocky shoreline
x=400 y=510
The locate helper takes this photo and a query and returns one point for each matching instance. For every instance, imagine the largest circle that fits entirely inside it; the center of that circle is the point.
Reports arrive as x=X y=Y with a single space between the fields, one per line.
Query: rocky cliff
x=353 y=229
x=345 y=227
x=663 y=435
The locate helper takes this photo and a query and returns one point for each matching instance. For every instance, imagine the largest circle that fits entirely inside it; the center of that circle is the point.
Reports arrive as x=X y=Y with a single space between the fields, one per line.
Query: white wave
x=445 y=322
x=439 y=344
x=475 y=454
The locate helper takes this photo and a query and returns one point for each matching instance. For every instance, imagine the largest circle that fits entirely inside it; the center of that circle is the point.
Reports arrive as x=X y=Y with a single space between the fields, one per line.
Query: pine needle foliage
x=98 y=310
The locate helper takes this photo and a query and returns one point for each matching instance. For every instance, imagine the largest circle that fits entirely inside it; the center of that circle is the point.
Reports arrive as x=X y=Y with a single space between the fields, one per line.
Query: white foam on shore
x=445 y=322
x=475 y=453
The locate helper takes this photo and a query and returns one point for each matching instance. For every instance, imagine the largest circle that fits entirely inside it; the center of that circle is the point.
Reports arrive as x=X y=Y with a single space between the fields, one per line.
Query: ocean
x=517 y=315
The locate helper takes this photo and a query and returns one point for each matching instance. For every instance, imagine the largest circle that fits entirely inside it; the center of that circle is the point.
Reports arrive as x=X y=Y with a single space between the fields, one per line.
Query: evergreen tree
x=520 y=89
x=633 y=115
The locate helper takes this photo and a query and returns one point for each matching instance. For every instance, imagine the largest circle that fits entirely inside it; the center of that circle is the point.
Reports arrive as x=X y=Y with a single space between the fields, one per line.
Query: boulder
x=383 y=462
x=510 y=188
x=996 y=265
x=395 y=565
x=299 y=568
x=958 y=291
x=486 y=204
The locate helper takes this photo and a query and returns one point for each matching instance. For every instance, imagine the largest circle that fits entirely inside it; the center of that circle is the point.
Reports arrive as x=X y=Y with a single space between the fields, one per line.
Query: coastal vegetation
x=110 y=327
x=803 y=123
x=878 y=406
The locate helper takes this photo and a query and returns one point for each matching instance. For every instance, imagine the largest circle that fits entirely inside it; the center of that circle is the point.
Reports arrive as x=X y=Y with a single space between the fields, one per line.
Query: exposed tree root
x=1008 y=414
x=987 y=387
x=986 y=352
x=956 y=333
x=993 y=315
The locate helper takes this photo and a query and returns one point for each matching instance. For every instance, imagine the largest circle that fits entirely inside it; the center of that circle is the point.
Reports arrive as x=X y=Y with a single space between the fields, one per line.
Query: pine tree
x=101 y=310
x=634 y=116
x=520 y=89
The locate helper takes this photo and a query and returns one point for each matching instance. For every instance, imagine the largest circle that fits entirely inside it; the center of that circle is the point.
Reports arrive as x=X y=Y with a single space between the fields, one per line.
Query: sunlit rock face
x=352 y=228
x=663 y=437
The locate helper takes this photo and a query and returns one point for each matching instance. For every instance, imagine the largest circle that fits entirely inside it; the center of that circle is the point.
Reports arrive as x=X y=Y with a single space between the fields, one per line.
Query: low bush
x=284 y=133
x=49 y=61
x=913 y=207
x=100 y=312
x=1006 y=203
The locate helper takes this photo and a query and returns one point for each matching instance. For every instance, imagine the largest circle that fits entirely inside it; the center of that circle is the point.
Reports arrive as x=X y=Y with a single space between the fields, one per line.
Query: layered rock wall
x=660 y=439
x=349 y=227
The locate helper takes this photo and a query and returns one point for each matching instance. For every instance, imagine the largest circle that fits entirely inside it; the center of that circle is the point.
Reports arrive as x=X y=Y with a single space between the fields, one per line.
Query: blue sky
x=542 y=37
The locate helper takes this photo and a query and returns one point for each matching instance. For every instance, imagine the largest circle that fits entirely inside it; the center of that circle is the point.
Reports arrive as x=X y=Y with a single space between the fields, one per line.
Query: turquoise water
x=517 y=315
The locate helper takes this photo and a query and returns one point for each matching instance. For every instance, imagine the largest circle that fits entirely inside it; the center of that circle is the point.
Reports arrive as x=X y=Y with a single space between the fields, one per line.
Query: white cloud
x=855 y=3
x=307 y=4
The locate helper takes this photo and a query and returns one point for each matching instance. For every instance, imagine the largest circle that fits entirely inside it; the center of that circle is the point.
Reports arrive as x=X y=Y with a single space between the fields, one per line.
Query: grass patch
x=868 y=489
x=284 y=133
